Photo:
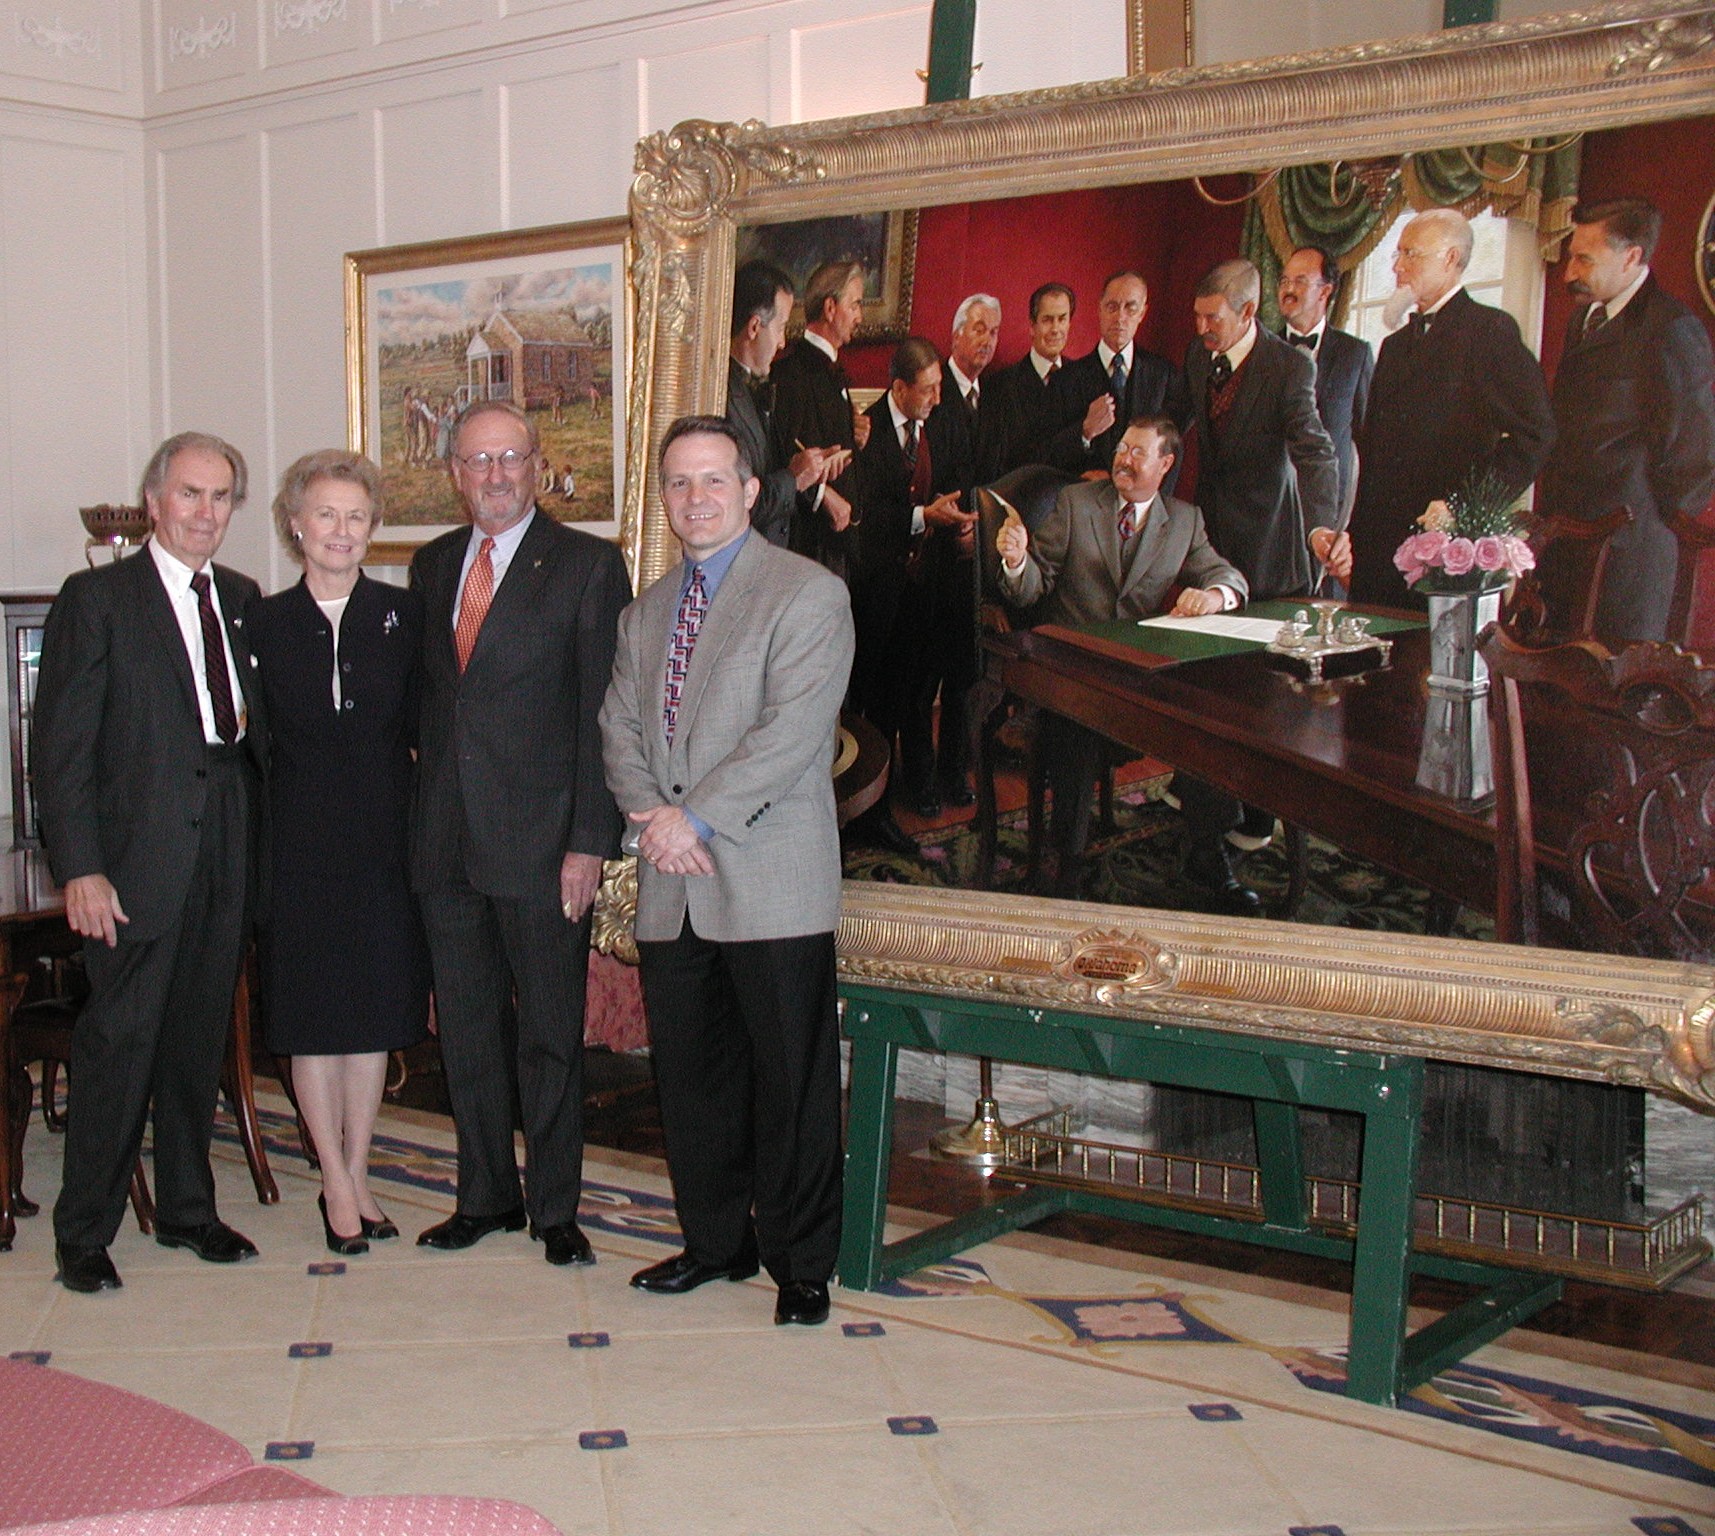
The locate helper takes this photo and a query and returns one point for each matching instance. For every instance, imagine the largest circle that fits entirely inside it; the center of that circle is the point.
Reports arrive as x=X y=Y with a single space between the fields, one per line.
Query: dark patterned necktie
x=692 y=606
x=1220 y=370
x=917 y=456
x=1419 y=324
x=1595 y=318
x=1117 y=376
x=214 y=662
x=1128 y=521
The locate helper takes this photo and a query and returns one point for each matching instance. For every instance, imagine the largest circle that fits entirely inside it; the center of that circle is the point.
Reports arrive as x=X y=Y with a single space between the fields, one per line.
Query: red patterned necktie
x=692 y=606
x=917 y=455
x=1128 y=521
x=473 y=606
x=214 y=662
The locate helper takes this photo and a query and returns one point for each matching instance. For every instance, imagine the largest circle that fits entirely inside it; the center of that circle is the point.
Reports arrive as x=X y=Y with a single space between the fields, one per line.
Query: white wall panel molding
x=56 y=38
x=71 y=53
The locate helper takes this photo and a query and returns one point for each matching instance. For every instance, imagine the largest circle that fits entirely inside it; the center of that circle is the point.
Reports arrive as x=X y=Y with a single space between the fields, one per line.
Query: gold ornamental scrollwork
x=613 y=931
x=1118 y=959
x=1656 y=44
x=687 y=174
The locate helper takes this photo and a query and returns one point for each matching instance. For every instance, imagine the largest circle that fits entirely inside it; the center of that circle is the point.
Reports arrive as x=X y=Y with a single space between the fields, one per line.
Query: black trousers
x=747 y=1064
x=509 y=1004
x=153 y=1031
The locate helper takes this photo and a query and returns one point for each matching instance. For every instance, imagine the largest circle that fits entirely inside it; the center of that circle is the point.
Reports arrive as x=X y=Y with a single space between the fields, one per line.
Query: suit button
x=345 y=666
x=202 y=773
x=196 y=821
x=350 y=704
x=678 y=789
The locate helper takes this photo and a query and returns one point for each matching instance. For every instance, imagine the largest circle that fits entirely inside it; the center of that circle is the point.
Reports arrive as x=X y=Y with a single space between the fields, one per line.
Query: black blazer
x=119 y=757
x=1021 y=407
x=1634 y=415
x=509 y=772
x=884 y=481
x=1153 y=387
x=1267 y=474
x=1344 y=368
x=1468 y=394
x=771 y=513
x=975 y=435
x=811 y=407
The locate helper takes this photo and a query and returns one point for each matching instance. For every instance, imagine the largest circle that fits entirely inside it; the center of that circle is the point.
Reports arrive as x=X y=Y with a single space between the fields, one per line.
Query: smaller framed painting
x=886 y=244
x=537 y=317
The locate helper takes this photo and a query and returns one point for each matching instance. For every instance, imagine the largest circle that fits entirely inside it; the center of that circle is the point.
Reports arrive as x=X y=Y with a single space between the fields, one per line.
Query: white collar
x=965 y=385
x=1442 y=302
x=1241 y=349
x=1315 y=330
x=1043 y=365
x=175 y=574
x=1621 y=300
x=824 y=344
x=1106 y=353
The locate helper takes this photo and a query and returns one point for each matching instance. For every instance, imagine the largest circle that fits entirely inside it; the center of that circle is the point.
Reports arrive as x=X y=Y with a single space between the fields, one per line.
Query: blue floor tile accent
x=308 y=1351
x=1314 y=1530
x=862 y=1330
x=1664 y=1525
x=1214 y=1413
x=289 y=1450
x=588 y=1340
x=914 y=1424
x=602 y=1440
x=32 y=1356
x=326 y=1267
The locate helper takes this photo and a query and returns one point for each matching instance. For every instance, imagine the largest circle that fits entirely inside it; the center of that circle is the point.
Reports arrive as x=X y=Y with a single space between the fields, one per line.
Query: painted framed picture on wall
x=886 y=244
x=536 y=317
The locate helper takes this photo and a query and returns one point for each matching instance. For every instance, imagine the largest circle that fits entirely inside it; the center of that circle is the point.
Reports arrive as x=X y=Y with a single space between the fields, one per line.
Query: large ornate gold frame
x=1596 y=68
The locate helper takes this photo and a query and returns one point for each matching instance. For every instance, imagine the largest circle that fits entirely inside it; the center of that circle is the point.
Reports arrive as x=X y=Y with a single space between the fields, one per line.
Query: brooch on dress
x=390 y=623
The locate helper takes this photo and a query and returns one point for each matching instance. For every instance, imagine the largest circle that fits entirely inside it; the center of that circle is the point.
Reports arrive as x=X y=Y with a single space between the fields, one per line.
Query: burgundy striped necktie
x=214 y=662
x=692 y=606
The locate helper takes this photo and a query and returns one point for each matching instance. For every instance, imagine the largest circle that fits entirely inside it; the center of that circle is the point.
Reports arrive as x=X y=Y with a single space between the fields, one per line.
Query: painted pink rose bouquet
x=1467 y=543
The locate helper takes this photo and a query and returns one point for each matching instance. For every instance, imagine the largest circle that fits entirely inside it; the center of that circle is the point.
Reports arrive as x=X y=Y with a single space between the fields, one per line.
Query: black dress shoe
x=880 y=830
x=85 y=1268
x=1208 y=869
x=212 y=1241
x=802 y=1302
x=565 y=1244
x=460 y=1230
x=681 y=1273
x=378 y=1231
x=338 y=1242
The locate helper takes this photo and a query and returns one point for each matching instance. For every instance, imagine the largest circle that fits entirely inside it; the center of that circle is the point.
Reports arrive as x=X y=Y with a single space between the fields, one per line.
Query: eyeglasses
x=512 y=461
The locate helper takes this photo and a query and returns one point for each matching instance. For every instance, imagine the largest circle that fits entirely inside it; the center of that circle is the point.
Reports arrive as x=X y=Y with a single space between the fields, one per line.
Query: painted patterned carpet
x=1031 y=1386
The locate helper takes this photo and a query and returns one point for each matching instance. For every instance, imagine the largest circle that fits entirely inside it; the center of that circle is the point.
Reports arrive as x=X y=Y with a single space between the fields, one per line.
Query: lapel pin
x=390 y=623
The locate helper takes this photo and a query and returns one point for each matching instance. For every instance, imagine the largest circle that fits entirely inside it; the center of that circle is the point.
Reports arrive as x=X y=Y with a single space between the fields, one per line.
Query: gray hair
x=1237 y=281
x=324 y=464
x=1452 y=228
x=155 y=473
x=499 y=408
x=963 y=312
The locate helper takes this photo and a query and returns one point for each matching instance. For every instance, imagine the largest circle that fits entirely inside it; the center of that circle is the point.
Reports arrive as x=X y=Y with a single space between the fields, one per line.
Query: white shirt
x=333 y=610
x=1043 y=365
x=500 y=557
x=1241 y=349
x=823 y=343
x=1441 y=303
x=1625 y=297
x=900 y=419
x=1107 y=355
x=176 y=577
x=965 y=385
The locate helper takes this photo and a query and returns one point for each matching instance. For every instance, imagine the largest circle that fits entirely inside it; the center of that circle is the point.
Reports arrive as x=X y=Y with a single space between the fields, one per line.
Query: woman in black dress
x=345 y=975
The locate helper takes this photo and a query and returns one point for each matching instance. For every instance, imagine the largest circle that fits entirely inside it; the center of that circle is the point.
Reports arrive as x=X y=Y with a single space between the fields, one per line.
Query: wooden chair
x=1605 y=788
x=41 y=1032
x=1695 y=536
x=1576 y=551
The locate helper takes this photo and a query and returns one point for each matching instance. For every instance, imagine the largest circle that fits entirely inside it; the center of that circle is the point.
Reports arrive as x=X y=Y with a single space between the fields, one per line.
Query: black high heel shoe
x=345 y=1247
x=377 y=1231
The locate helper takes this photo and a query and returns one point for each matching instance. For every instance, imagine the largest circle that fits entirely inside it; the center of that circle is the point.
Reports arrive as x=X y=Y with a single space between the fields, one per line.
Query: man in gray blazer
x=146 y=764
x=1115 y=551
x=510 y=825
x=718 y=736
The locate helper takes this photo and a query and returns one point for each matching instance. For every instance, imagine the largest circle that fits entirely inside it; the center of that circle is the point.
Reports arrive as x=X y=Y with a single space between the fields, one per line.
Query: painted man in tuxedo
x=1118 y=551
x=1634 y=417
x=761 y=305
x=718 y=733
x=1019 y=394
x=1455 y=391
x=1266 y=467
x=976 y=329
x=1344 y=365
x=813 y=408
x=511 y=822
x=913 y=592
x=146 y=764
x=1097 y=394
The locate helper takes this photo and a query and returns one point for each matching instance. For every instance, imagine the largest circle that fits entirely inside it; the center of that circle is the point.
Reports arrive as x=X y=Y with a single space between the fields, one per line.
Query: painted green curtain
x=1325 y=204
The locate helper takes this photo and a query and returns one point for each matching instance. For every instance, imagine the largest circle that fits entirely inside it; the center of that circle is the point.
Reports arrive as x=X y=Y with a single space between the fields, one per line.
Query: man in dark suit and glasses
x=146 y=763
x=511 y=822
x=1096 y=395
x=1344 y=363
x=761 y=306
x=1634 y=413
x=1456 y=391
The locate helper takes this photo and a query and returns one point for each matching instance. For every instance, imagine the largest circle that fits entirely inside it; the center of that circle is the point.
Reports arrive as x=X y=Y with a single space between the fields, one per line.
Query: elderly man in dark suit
x=511 y=822
x=1344 y=364
x=913 y=592
x=1266 y=468
x=1094 y=396
x=813 y=408
x=147 y=756
x=1634 y=415
x=1116 y=551
x=1455 y=391
x=1019 y=395
x=761 y=306
x=719 y=733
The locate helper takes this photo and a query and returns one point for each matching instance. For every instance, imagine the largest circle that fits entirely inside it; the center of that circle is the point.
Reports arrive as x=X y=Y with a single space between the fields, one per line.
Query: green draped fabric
x=1325 y=204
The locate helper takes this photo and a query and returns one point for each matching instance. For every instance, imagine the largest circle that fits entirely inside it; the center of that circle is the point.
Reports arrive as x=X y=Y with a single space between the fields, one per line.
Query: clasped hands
x=670 y=843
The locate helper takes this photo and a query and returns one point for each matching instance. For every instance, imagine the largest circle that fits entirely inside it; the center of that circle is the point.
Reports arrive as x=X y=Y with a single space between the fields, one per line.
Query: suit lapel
x=725 y=619
x=164 y=622
x=1148 y=544
x=526 y=575
x=1104 y=522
